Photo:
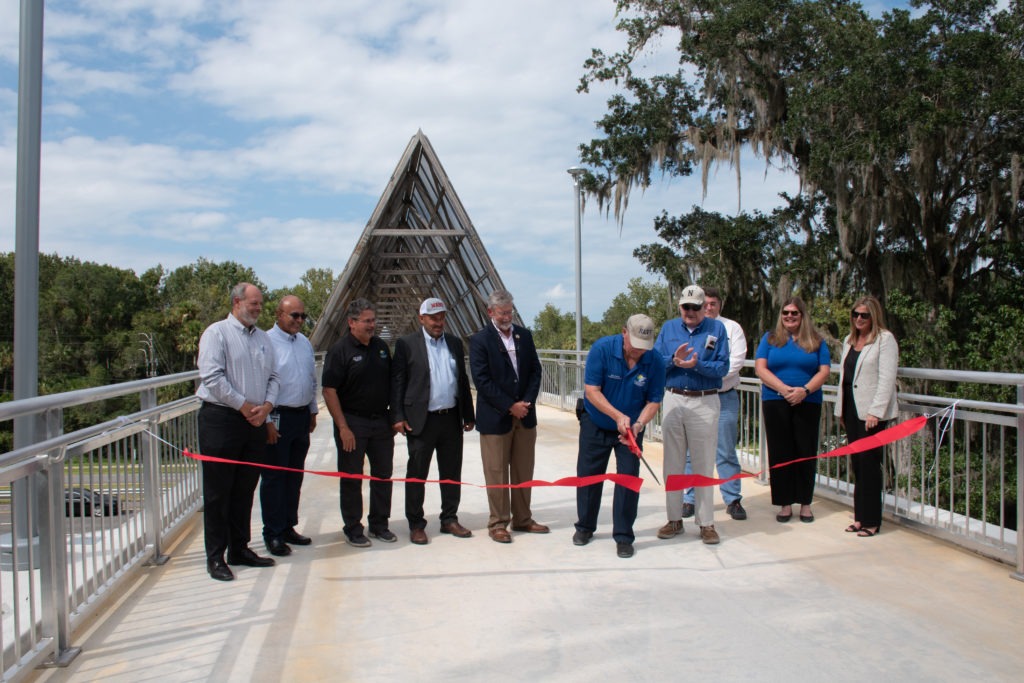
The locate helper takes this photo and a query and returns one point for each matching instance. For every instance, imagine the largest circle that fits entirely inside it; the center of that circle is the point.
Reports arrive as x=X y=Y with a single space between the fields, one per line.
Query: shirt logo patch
x=383 y=354
x=640 y=381
x=356 y=359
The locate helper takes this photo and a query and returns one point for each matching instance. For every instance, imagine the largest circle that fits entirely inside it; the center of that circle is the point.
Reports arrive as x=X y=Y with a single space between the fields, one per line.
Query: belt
x=364 y=415
x=443 y=411
x=727 y=391
x=217 y=406
x=290 y=409
x=688 y=392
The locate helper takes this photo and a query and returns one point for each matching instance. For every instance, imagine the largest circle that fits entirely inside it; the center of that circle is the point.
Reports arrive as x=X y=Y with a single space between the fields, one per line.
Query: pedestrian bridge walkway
x=794 y=602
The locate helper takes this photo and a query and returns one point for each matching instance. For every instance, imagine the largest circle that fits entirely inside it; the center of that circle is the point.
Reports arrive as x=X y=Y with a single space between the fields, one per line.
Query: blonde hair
x=877 y=319
x=807 y=337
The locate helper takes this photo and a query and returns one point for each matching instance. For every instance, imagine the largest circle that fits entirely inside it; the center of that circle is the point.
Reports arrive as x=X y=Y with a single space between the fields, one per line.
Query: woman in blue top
x=793 y=363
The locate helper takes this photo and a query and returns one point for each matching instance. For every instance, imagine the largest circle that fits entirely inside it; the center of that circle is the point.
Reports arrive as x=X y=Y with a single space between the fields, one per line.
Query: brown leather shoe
x=709 y=535
x=418 y=536
x=671 y=529
x=499 y=535
x=532 y=528
x=456 y=529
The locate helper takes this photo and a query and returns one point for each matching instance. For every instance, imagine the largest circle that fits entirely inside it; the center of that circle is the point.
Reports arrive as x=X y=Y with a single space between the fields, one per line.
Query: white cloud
x=318 y=99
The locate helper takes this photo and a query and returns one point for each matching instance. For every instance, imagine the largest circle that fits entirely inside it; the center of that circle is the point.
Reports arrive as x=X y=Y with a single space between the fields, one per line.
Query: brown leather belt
x=688 y=392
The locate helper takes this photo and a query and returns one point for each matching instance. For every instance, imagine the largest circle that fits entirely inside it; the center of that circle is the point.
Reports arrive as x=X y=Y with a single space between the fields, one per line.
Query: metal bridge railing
x=956 y=479
x=84 y=508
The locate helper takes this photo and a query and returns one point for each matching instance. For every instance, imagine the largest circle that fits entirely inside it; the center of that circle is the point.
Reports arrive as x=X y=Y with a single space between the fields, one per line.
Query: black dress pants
x=791 y=433
x=279 y=489
x=228 y=489
x=443 y=433
x=375 y=441
x=866 y=466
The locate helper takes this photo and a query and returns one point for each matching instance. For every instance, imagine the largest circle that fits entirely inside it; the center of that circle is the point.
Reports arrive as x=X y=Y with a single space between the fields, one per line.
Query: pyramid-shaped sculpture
x=418 y=243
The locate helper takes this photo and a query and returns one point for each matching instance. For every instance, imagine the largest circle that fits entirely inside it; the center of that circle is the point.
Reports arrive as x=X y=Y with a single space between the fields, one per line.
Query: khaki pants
x=508 y=459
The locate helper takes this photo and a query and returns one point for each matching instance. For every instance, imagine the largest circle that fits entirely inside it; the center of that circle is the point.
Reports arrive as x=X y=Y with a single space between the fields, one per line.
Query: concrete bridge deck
x=773 y=602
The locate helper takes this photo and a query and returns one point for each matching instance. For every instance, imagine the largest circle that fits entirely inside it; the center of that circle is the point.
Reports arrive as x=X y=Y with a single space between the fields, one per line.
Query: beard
x=246 y=318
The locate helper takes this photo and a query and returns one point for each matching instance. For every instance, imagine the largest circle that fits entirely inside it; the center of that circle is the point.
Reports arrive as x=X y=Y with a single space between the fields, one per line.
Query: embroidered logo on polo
x=640 y=380
x=383 y=354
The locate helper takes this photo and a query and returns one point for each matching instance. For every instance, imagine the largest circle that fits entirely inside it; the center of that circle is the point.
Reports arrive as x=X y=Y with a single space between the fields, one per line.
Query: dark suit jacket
x=410 y=380
x=497 y=387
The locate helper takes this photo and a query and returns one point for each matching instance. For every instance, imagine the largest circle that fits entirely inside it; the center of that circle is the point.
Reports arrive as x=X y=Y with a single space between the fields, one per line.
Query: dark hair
x=357 y=306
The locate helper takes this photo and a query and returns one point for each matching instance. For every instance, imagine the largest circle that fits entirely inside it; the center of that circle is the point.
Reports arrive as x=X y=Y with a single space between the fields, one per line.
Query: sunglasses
x=690 y=307
x=298 y=316
x=790 y=314
x=858 y=314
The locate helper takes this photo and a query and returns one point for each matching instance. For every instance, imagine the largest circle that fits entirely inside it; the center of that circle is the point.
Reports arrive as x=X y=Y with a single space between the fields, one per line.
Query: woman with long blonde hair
x=793 y=363
x=865 y=404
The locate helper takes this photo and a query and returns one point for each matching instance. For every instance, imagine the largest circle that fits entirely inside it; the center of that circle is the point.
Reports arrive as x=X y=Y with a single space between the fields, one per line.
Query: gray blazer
x=874 y=378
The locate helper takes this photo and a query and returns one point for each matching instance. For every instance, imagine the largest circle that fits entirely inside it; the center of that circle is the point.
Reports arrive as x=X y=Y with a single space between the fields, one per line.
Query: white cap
x=641 y=331
x=431 y=306
x=692 y=295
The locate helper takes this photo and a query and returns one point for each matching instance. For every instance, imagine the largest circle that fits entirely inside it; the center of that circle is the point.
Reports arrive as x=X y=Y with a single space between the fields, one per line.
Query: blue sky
x=264 y=132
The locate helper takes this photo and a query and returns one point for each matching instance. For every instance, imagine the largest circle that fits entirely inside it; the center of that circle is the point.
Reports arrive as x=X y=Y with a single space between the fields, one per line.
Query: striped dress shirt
x=236 y=364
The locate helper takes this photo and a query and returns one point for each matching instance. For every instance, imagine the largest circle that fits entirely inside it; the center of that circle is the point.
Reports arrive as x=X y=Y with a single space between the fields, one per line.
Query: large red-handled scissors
x=635 y=449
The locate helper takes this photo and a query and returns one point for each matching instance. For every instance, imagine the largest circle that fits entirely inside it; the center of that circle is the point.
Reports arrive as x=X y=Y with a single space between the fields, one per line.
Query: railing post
x=53 y=563
x=53 y=550
x=152 y=496
x=1019 y=574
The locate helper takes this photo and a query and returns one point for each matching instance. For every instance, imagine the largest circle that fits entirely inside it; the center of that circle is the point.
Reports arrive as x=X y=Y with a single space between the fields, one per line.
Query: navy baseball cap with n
x=431 y=306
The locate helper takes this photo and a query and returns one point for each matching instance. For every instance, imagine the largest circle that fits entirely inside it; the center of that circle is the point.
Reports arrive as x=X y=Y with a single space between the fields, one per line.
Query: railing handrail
x=38 y=404
x=41 y=448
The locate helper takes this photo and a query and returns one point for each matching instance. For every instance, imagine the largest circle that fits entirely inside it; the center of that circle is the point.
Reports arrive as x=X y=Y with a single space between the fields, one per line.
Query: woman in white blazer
x=866 y=402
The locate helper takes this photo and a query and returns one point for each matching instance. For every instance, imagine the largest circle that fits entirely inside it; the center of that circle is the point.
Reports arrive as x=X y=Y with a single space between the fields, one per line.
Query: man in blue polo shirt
x=623 y=388
x=695 y=350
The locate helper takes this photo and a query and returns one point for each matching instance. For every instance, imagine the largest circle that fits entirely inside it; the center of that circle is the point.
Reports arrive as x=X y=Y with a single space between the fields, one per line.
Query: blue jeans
x=726 y=461
x=596 y=446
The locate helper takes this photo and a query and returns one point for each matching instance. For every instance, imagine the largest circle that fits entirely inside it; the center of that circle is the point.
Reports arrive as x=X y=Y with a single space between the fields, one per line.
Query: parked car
x=83 y=502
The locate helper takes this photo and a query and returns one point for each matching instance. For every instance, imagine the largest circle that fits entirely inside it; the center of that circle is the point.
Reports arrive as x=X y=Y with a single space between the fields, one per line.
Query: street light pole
x=577 y=193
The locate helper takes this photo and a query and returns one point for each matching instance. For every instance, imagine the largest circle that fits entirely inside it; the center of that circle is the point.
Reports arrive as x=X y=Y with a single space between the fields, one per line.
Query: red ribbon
x=629 y=481
x=678 y=482
x=674 y=482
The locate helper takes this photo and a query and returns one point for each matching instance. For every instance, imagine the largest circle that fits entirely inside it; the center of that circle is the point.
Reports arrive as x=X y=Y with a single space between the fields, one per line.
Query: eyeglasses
x=368 y=321
x=690 y=307
x=858 y=314
x=298 y=316
x=791 y=314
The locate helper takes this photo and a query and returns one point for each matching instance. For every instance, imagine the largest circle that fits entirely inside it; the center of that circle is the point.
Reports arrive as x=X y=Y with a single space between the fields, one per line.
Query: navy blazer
x=497 y=386
x=410 y=381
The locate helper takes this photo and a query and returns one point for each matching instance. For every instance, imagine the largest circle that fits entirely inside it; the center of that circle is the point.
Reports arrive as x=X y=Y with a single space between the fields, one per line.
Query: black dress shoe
x=581 y=537
x=624 y=549
x=295 y=538
x=250 y=559
x=276 y=546
x=219 y=571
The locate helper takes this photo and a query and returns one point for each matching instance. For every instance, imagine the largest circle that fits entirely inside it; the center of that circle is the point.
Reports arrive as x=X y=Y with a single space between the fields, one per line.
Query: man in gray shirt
x=238 y=387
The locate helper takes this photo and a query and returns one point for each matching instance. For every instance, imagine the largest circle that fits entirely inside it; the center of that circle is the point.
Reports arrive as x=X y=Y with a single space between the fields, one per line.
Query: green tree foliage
x=909 y=127
x=185 y=302
x=553 y=329
x=314 y=289
x=650 y=298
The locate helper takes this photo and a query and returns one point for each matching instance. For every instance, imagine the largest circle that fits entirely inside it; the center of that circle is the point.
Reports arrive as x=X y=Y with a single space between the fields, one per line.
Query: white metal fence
x=957 y=480
x=82 y=509
x=62 y=554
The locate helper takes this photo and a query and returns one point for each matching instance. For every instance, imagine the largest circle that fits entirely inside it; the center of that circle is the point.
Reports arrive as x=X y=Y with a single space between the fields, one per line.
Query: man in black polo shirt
x=356 y=384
